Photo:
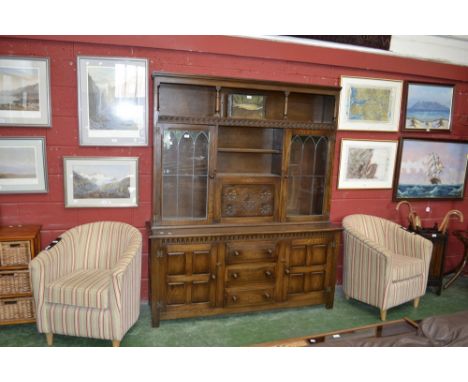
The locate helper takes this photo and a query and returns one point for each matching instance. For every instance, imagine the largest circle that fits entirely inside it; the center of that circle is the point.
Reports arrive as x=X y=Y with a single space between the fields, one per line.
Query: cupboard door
x=310 y=269
x=185 y=158
x=307 y=175
x=190 y=276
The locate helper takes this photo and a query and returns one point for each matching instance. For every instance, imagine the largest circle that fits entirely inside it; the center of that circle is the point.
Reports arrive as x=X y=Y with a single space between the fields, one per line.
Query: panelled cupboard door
x=309 y=270
x=191 y=273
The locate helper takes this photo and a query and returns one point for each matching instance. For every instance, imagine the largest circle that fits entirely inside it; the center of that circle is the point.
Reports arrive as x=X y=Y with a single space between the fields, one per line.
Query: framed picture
x=24 y=91
x=428 y=107
x=101 y=181
x=113 y=101
x=367 y=164
x=23 y=166
x=250 y=106
x=369 y=104
x=430 y=169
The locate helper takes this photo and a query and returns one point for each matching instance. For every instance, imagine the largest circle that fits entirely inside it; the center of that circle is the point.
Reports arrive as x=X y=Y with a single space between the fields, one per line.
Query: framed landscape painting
x=24 y=91
x=428 y=107
x=113 y=102
x=101 y=181
x=23 y=165
x=369 y=104
x=431 y=169
x=367 y=164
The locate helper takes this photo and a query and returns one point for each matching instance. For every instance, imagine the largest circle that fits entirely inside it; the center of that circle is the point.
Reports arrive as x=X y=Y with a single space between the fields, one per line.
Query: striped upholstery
x=89 y=283
x=384 y=265
x=86 y=288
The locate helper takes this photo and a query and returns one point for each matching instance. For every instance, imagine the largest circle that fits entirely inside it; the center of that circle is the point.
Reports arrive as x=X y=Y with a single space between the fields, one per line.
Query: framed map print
x=366 y=164
x=369 y=104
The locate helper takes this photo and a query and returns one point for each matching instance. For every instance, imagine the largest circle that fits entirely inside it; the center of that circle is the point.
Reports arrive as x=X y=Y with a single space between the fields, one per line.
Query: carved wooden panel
x=247 y=200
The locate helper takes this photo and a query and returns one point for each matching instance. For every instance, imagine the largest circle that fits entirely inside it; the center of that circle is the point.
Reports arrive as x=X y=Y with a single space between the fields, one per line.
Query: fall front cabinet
x=241 y=196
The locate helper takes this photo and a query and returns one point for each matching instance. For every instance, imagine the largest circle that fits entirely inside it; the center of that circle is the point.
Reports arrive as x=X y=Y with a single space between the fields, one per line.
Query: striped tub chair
x=384 y=265
x=88 y=285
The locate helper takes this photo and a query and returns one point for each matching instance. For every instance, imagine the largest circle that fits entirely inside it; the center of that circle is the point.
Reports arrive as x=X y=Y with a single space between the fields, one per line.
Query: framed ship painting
x=428 y=107
x=367 y=164
x=101 y=181
x=431 y=169
x=24 y=91
x=369 y=104
x=113 y=102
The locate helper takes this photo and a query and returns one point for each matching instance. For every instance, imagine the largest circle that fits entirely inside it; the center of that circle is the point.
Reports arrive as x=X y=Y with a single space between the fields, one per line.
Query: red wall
x=219 y=56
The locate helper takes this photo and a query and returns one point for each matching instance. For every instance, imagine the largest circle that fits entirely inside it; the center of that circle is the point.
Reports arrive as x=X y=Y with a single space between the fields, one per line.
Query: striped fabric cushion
x=404 y=267
x=85 y=288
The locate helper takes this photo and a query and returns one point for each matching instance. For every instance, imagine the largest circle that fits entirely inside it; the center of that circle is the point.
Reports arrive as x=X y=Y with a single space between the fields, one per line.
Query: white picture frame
x=112 y=101
x=369 y=104
x=23 y=165
x=100 y=182
x=24 y=91
x=366 y=164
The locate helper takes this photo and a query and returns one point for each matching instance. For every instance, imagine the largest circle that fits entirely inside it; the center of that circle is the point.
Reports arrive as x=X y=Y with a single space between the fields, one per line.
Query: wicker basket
x=16 y=309
x=14 y=282
x=14 y=253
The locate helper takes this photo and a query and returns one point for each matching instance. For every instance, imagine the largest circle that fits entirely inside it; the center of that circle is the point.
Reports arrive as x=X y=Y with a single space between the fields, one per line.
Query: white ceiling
x=451 y=49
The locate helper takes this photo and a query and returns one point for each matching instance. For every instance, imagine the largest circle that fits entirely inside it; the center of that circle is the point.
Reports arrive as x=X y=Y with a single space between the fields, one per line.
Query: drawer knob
x=269 y=251
x=267 y=295
x=235 y=275
x=213 y=276
x=236 y=253
x=234 y=298
x=286 y=271
x=268 y=273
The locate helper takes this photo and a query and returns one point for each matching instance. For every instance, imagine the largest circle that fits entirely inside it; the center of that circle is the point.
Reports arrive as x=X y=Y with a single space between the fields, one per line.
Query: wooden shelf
x=249 y=151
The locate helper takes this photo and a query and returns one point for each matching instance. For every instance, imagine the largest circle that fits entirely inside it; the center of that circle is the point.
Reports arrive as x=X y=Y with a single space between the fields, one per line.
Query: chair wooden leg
x=50 y=339
x=116 y=343
x=383 y=314
x=416 y=302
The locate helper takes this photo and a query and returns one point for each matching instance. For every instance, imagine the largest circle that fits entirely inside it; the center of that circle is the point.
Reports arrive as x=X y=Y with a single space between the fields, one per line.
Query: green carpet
x=248 y=329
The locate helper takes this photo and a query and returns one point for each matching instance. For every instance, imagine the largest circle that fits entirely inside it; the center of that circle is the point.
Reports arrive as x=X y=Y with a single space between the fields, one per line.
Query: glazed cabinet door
x=307 y=168
x=184 y=171
x=309 y=271
x=190 y=272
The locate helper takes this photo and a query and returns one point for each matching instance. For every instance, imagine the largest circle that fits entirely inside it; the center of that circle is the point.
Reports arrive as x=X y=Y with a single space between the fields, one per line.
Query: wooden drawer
x=254 y=251
x=14 y=282
x=252 y=273
x=14 y=253
x=243 y=297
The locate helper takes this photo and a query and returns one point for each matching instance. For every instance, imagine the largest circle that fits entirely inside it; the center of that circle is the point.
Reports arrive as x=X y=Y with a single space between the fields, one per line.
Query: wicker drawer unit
x=18 y=245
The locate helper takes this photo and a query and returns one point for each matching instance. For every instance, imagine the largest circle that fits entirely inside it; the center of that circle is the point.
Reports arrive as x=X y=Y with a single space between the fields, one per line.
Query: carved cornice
x=283 y=124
